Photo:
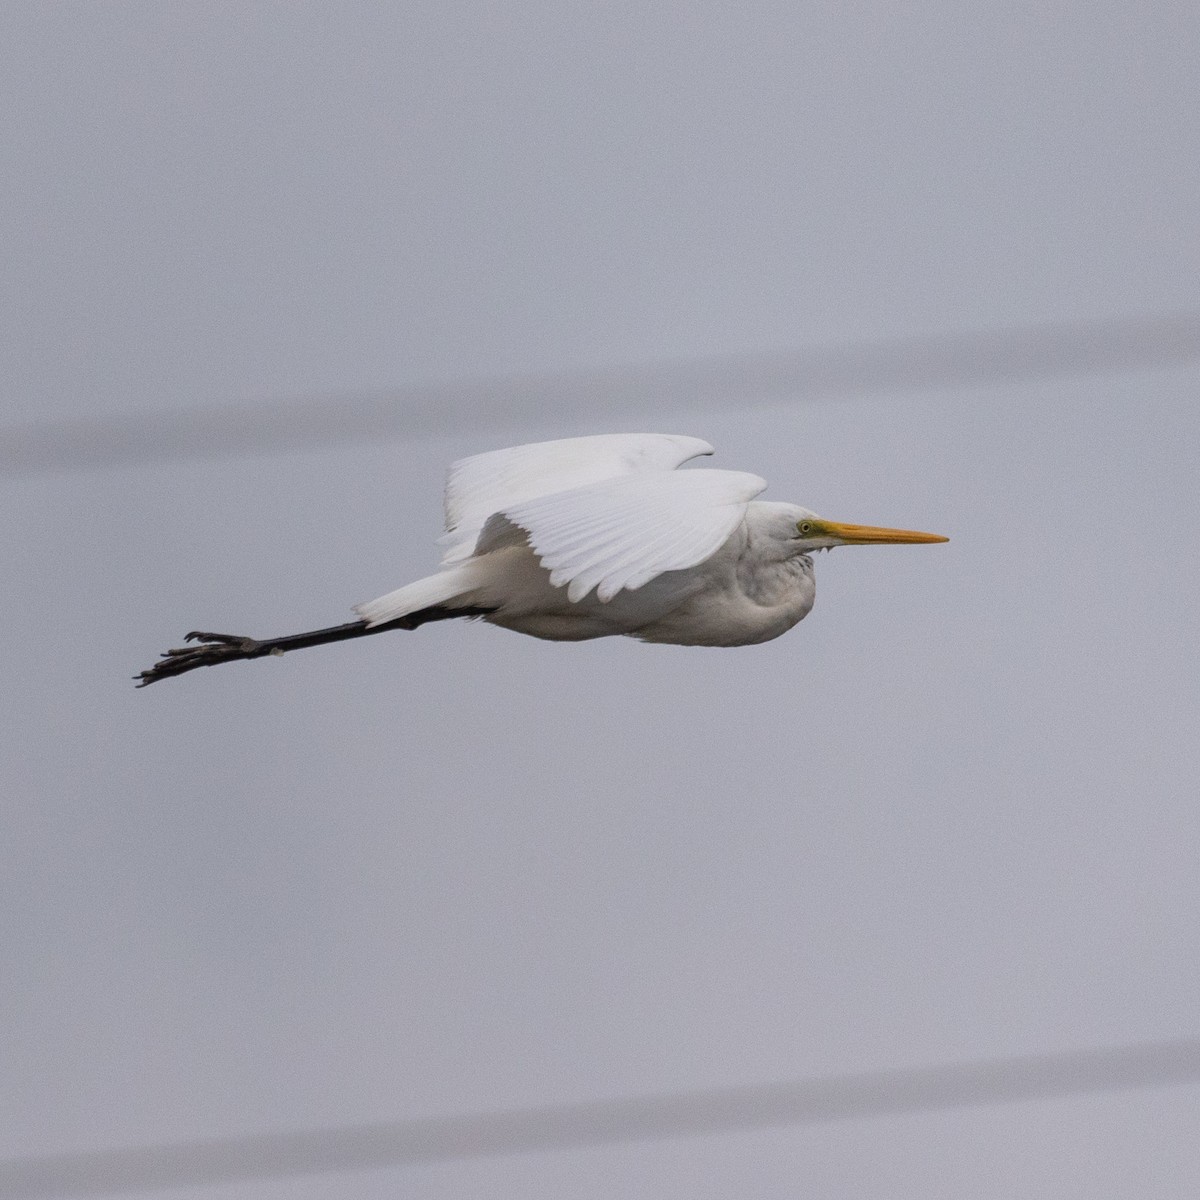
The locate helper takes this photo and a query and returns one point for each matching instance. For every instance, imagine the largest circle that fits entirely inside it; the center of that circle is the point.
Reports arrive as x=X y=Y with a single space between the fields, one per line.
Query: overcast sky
x=952 y=815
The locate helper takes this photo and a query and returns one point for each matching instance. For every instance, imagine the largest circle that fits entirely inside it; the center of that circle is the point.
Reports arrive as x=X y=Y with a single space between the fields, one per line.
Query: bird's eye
x=805 y=527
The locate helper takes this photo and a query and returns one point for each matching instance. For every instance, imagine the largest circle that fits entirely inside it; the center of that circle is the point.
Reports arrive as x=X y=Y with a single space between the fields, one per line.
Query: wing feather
x=620 y=533
x=489 y=483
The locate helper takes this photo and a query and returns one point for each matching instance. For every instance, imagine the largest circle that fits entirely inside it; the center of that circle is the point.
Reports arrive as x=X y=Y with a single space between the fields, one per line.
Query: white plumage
x=484 y=484
x=621 y=533
x=557 y=538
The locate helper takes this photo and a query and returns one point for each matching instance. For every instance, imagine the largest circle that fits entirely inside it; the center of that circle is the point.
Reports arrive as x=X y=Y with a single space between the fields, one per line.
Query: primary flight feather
x=594 y=537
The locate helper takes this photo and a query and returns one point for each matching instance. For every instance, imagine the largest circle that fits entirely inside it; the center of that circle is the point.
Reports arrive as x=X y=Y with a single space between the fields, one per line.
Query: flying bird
x=596 y=537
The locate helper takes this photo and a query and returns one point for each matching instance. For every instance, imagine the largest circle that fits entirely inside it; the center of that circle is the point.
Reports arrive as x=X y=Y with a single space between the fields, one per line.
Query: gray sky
x=951 y=816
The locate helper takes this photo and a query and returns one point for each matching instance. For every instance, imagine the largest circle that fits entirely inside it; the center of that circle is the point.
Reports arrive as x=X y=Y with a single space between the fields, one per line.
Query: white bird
x=594 y=537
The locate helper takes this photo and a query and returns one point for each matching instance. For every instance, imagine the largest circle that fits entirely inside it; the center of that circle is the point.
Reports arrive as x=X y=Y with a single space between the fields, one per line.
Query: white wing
x=621 y=533
x=484 y=484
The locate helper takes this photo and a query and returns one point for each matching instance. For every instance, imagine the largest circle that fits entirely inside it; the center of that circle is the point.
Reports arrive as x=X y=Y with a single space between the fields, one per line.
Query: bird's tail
x=450 y=588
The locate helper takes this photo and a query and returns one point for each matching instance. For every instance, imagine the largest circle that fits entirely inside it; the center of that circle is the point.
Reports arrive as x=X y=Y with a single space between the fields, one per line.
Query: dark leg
x=216 y=648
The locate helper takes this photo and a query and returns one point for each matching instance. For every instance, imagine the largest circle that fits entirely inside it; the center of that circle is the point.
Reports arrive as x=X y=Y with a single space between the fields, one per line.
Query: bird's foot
x=248 y=645
x=213 y=648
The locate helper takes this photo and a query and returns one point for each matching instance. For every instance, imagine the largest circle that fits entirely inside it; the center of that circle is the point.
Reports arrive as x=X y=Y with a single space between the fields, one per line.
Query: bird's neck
x=776 y=582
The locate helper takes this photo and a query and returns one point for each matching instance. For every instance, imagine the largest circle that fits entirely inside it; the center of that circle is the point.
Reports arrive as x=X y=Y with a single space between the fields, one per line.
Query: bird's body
x=599 y=537
x=734 y=598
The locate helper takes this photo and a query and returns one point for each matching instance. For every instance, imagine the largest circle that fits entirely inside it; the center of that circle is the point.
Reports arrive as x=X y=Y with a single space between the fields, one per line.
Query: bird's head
x=810 y=532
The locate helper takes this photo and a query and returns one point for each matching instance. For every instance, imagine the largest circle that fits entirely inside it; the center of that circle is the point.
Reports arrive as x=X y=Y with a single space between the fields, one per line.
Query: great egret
x=592 y=537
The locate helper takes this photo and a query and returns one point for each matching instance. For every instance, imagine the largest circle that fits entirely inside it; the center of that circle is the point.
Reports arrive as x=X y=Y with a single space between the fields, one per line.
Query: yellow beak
x=863 y=535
